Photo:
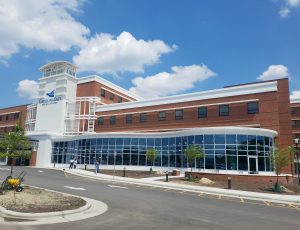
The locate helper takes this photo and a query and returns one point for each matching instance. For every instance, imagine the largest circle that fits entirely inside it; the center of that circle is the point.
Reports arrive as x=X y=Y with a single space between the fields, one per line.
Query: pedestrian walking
x=71 y=163
x=97 y=165
x=75 y=162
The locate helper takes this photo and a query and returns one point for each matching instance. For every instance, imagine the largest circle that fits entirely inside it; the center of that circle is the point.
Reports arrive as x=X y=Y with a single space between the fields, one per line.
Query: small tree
x=192 y=153
x=151 y=154
x=281 y=159
x=15 y=145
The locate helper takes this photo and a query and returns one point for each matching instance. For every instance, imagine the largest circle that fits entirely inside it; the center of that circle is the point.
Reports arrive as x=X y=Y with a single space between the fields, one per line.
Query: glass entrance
x=252 y=163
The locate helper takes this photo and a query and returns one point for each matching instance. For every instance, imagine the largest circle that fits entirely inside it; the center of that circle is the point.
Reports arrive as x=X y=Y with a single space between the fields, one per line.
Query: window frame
x=252 y=111
x=102 y=92
x=120 y=99
x=100 y=121
x=112 y=120
x=111 y=96
x=128 y=121
x=162 y=118
x=222 y=113
x=199 y=114
x=179 y=117
x=143 y=115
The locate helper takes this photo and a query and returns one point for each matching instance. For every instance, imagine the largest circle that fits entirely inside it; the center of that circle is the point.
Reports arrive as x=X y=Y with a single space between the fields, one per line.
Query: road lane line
x=40 y=171
x=267 y=203
x=167 y=189
x=242 y=200
x=74 y=188
x=116 y=186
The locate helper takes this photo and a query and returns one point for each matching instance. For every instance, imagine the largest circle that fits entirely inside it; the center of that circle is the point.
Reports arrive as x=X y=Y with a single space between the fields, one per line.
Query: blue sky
x=154 y=48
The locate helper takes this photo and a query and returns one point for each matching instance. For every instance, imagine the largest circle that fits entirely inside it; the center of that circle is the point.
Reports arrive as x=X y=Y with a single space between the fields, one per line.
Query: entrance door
x=252 y=164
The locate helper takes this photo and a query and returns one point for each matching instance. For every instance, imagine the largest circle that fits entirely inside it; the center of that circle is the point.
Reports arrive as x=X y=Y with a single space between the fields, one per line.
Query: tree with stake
x=281 y=159
x=151 y=154
x=192 y=153
x=15 y=145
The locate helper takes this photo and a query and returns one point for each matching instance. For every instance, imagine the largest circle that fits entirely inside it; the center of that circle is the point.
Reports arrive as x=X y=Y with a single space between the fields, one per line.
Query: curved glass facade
x=221 y=152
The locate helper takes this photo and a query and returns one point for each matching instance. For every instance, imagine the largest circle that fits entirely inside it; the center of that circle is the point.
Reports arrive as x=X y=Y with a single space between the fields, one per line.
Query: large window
x=100 y=120
x=112 y=120
x=293 y=110
x=162 y=116
x=223 y=110
x=102 y=92
x=221 y=151
x=16 y=116
x=128 y=118
x=202 y=112
x=253 y=108
x=178 y=114
x=143 y=117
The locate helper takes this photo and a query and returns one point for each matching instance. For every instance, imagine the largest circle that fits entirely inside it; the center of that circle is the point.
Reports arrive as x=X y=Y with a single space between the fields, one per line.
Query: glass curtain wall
x=221 y=152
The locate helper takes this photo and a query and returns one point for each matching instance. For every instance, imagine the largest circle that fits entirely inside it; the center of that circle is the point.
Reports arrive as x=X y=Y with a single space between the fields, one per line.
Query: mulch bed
x=33 y=200
x=293 y=188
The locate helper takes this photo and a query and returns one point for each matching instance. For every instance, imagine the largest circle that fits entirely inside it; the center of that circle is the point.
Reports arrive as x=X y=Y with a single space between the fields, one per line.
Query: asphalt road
x=133 y=207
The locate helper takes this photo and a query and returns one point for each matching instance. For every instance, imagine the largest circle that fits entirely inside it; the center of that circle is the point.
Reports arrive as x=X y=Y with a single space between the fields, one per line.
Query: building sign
x=52 y=99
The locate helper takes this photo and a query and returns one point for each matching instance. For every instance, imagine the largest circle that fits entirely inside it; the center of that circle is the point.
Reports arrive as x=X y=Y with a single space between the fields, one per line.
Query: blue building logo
x=52 y=100
x=51 y=94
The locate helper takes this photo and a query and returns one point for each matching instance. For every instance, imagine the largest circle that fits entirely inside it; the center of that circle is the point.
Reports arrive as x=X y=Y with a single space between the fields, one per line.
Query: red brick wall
x=93 y=89
x=33 y=158
x=7 y=125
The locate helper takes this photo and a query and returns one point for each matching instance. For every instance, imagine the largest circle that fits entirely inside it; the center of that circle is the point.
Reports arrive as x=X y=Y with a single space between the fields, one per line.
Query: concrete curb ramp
x=92 y=208
x=275 y=198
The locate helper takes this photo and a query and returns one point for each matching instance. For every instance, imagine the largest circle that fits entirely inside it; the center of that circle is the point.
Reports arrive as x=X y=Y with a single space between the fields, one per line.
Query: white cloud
x=295 y=94
x=105 y=53
x=287 y=6
x=274 y=72
x=284 y=12
x=180 y=79
x=28 y=89
x=45 y=24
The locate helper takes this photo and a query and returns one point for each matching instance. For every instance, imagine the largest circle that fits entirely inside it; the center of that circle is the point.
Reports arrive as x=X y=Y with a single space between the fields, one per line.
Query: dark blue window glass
x=231 y=163
x=209 y=161
x=220 y=162
x=150 y=142
x=251 y=140
x=230 y=139
x=127 y=141
x=199 y=139
x=134 y=141
x=242 y=139
x=191 y=140
x=219 y=139
x=208 y=139
x=142 y=141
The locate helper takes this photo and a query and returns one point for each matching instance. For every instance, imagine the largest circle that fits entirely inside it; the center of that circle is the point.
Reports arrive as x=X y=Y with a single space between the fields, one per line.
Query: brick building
x=91 y=118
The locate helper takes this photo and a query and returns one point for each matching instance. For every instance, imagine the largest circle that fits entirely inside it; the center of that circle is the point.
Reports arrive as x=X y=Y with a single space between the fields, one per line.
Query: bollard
x=124 y=170
x=84 y=167
x=229 y=182
x=167 y=176
x=287 y=178
x=54 y=165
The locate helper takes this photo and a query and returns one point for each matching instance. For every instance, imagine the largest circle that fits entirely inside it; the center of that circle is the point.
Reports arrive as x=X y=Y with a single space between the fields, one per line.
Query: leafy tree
x=15 y=144
x=192 y=153
x=151 y=154
x=281 y=159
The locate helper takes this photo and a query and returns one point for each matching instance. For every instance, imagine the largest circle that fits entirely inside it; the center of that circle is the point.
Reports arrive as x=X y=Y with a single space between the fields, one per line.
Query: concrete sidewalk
x=152 y=182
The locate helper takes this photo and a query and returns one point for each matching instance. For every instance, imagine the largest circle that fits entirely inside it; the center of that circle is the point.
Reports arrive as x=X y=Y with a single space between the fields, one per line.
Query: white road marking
x=40 y=171
x=116 y=186
x=69 y=187
x=4 y=169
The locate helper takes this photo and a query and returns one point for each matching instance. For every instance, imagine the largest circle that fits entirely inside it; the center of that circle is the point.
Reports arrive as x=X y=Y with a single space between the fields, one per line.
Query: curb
x=275 y=198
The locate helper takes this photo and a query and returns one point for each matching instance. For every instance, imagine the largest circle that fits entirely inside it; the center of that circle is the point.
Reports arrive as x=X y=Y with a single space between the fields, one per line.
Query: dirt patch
x=131 y=174
x=33 y=200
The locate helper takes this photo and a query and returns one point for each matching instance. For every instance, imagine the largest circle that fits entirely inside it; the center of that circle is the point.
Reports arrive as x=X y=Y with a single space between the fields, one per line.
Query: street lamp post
x=296 y=141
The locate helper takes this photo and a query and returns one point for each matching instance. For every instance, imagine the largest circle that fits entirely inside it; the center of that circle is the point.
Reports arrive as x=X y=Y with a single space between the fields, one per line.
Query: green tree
x=15 y=144
x=192 y=153
x=281 y=158
x=151 y=154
